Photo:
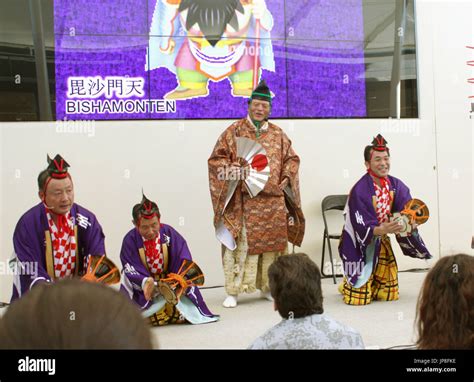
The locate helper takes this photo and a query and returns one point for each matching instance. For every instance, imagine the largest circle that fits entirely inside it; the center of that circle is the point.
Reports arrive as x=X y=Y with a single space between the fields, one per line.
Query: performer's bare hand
x=237 y=172
x=149 y=288
x=233 y=172
x=388 y=227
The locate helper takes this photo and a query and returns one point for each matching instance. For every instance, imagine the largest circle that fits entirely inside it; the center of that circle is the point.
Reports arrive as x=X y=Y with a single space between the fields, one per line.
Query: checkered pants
x=382 y=284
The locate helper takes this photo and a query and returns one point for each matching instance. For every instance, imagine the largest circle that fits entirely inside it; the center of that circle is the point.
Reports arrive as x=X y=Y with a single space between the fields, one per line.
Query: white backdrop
x=112 y=161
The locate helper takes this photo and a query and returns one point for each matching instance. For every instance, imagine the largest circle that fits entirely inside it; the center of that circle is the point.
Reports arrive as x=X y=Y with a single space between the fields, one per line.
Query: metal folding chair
x=331 y=202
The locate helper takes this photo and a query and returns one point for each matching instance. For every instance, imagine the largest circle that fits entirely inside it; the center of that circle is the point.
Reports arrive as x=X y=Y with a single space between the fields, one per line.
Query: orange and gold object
x=176 y=284
x=100 y=269
x=417 y=211
x=414 y=213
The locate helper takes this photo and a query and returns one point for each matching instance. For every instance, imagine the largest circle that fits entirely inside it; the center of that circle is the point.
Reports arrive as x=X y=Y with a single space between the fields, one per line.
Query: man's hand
x=149 y=288
x=237 y=172
x=233 y=172
x=387 y=227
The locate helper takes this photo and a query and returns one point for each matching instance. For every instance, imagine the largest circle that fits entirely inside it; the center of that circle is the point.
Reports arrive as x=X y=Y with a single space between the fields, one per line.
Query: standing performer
x=255 y=218
x=52 y=240
x=150 y=252
x=370 y=267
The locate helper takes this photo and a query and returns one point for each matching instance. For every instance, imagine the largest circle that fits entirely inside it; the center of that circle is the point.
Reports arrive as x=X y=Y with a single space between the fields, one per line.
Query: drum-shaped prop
x=175 y=284
x=417 y=211
x=404 y=223
x=101 y=269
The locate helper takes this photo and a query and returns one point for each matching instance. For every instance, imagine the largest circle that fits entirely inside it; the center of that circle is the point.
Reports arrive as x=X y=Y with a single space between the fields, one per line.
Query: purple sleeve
x=133 y=268
x=93 y=238
x=178 y=250
x=358 y=233
x=363 y=218
x=28 y=260
x=402 y=195
x=412 y=245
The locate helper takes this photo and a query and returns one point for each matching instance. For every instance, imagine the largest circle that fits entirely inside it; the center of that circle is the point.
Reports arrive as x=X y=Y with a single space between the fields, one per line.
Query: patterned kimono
x=35 y=256
x=259 y=225
x=136 y=269
x=369 y=264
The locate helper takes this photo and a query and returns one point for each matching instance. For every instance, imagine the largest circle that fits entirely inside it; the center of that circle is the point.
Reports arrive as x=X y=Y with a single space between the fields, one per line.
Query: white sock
x=230 y=301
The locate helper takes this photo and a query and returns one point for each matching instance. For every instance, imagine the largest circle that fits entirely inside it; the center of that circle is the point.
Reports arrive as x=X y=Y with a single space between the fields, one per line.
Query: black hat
x=57 y=167
x=379 y=143
x=262 y=92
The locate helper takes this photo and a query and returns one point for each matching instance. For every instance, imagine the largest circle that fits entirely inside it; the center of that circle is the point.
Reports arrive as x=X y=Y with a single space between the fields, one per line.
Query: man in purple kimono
x=369 y=264
x=52 y=239
x=150 y=252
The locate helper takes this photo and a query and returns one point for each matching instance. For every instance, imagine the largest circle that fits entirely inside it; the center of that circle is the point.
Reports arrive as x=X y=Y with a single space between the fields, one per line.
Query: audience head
x=445 y=310
x=73 y=314
x=295 y=285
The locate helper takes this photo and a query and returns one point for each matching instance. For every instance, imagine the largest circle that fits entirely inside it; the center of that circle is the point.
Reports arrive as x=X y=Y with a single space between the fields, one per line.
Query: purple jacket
x=134 y=271
x=358 y=248
x=30 y=251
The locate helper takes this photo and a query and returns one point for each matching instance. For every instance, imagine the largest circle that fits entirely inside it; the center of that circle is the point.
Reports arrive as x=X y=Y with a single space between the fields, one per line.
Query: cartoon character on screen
x=202 y=40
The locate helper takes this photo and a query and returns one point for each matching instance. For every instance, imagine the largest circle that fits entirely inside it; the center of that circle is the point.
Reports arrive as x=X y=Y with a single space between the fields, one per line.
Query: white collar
x=263 y=127
x=156 y=238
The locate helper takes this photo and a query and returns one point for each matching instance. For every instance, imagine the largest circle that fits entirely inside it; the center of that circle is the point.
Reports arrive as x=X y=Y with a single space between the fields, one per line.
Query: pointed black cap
x=57 y=167
x=262 y=92
x=379 y=143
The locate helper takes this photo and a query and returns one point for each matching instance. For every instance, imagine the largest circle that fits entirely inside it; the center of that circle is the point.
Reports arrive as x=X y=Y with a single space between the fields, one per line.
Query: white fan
x=255 y=156
x=254 y=160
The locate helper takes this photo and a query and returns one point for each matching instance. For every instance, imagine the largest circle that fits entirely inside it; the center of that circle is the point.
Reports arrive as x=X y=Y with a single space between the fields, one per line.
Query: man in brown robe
x=253 y=179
